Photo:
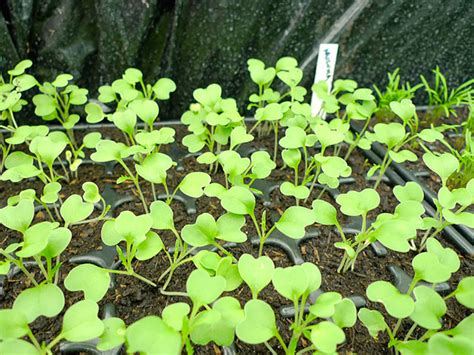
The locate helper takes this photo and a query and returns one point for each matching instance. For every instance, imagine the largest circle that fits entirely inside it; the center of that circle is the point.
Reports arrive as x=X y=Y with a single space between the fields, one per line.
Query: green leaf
x=20 y=67
x=50 y=192
x=162 y=216
x=431 y=135
x=262 y=164
x=90 y=140
x=193 y=184
x=90 y=279
x=175 y=314
x=217 y=324
x=62 y=80
x=444 y=164
x=357 y=203
x=429 y=308
x=125 y=121
x=74 y=209
x=17 y=346
x=398 y=305
x=80 y=322
x=345 y=314
x=201 y=233
x=291 y=157
x=257 y=273
x=150 y=247
x=325 y=213
x=45 y=105
x=259 y=324
x=91 y=192
x=43 y=300
x=238 y=136
x=289 y=189
x=151 y=335
x=163 y=87
x=326 y=336
x=18 y=217
x=208 y=96
x=132 y=75
x=465 y=292
x=127 y=226
x=403 y=109
x=107 y=150
x=325 y=304
x=113 y=335
x=436 y=264
x=154 y=167
x=402 y=156
x=229 y=227
x=389 y=134
x=13 y=324
x=204 y=289
x=295 y=137
x=373 y=321
x=58 y=241
x=443 y=344
x=271 y=112
x=230 y=272
x=35 y=239
x=238 y=200
x=294 y=220
x=411 y=191
x=94 y=113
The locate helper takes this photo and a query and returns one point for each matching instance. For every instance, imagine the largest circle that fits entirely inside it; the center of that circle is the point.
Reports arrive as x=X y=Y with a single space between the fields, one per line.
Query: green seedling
x=141 y=243
x=80 y=322
x=133 y=93
x=394 y=91
x=11 y=90
x=295 y=284
x=395 y=231
x=210 y=120
x=420 y=305
x=394 y=136
x=240 y=171
x=349 y=104
x=451 y=205
x=241 y=201
x=56 y=102
x=221 y=266
x=442 y=98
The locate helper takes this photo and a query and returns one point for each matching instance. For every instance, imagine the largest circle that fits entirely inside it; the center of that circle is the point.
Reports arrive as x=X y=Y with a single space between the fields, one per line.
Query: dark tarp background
x=197 y=42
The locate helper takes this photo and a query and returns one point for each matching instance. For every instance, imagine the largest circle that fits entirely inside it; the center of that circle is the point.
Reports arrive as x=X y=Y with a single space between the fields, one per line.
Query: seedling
x=425 y=309
x=405 y=220
x=241 y=201
x=445 y=100
x=295 y=284
x=394 y=91
x=80 y=322
x=394 y=136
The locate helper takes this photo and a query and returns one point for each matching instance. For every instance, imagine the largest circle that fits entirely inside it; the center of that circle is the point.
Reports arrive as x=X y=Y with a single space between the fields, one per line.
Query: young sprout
x=80 y=322
x=425 y=309
x=394 y=136
x=133 y=93
x=11 y=91
x=394 y=231
x=210 y=120
x=294 y=283
x=55 y=103
x=240 y=201
x=394 y=91
x=442 y=98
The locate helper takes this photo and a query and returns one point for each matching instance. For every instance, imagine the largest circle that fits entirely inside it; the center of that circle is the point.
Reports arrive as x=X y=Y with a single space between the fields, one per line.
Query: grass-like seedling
x=442 y=98
x=394 y=91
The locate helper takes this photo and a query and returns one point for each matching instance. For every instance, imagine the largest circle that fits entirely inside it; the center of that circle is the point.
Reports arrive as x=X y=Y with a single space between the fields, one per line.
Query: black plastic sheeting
x=197 y=42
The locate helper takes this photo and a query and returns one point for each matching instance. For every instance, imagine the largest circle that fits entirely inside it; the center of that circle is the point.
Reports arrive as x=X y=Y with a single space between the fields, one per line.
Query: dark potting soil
x=134 y=299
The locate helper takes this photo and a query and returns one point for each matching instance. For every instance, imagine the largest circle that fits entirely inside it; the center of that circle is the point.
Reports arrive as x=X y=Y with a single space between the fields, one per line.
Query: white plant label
x=327 y=56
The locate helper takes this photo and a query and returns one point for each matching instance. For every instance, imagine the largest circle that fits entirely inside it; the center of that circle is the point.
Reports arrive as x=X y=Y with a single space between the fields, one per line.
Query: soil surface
x=134 y=299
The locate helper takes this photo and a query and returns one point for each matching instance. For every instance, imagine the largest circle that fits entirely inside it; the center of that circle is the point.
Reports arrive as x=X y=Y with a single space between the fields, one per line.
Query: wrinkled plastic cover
x=202 y=41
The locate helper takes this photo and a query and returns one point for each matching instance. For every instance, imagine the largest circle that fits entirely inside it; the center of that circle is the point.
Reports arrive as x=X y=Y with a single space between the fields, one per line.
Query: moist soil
x=134 y=299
